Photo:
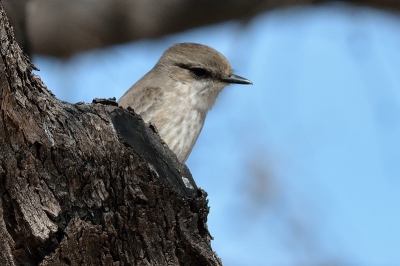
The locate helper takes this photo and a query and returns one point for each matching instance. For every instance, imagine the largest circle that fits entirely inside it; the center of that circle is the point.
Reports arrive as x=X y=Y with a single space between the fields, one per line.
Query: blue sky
x=303 y=167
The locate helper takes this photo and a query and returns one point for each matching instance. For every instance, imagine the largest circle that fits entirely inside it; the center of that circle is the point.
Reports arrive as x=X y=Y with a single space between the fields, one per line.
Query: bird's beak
x=232 y=78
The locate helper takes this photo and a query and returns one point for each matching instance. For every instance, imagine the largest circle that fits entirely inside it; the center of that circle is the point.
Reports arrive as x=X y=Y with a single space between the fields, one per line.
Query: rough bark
x=61 y=28
x=89 y=184
x=16 y=11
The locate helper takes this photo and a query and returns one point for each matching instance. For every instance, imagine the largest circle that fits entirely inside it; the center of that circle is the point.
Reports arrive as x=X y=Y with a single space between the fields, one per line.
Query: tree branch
x=61 y=28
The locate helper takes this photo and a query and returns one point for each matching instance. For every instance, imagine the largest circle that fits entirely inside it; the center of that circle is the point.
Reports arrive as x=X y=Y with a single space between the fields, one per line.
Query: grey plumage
x=178 y=92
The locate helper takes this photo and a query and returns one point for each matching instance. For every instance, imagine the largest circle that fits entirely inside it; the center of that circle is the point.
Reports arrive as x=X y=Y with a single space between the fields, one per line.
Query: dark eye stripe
x=197 y=72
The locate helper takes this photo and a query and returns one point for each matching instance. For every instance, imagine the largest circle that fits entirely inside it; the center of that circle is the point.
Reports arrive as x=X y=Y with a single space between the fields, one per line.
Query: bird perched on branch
x=176 y=94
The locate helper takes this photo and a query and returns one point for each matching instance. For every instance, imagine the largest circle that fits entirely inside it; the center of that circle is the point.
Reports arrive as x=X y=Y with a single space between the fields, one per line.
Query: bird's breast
x=179 y=128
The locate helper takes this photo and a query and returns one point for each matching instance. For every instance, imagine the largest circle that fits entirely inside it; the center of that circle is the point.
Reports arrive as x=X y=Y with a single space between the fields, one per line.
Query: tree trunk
x=89 y=184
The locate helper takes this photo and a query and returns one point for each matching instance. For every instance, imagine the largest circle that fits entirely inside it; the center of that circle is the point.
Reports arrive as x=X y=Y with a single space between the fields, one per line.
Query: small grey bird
x=177 y=93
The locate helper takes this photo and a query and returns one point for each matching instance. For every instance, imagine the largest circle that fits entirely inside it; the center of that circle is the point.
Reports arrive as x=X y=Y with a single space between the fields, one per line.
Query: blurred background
x=303 y=167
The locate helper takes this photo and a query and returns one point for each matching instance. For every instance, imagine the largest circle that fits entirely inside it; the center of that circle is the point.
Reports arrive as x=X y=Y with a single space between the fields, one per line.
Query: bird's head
x=200 y=69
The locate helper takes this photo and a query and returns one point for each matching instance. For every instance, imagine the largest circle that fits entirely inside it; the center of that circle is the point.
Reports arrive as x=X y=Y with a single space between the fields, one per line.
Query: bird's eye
x=199 y=72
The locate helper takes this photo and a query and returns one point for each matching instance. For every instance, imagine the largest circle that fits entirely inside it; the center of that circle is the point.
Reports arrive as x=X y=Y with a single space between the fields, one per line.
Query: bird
x=177 y=93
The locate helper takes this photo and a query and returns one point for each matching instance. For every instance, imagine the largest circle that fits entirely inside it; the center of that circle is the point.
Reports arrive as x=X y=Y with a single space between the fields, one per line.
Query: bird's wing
x=144 y=101
x=155 y=94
